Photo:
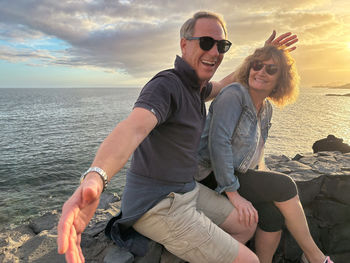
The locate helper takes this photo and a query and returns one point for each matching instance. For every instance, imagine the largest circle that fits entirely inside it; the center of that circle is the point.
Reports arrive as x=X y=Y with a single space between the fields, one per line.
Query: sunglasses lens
x=223 y=46
x=257 y=65
x=206 y=43
x=271 y=69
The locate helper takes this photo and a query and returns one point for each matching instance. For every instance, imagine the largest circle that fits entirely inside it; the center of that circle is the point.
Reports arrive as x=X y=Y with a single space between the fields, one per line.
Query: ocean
x=48 y=137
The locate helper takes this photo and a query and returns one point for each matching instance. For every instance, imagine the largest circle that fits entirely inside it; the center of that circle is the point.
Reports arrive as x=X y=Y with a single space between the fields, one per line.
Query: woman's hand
x=247 y=213
x=285 y=40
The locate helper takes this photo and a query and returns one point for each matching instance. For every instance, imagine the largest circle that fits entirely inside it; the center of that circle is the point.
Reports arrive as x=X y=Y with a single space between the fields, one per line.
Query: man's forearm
x=116 y=149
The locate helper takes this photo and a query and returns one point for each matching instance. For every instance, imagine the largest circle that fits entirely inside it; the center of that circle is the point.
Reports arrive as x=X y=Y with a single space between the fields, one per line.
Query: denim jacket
x=231 y=135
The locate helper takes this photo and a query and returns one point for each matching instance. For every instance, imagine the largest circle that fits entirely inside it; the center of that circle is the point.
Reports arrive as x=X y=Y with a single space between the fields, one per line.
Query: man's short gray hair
x=187 y=28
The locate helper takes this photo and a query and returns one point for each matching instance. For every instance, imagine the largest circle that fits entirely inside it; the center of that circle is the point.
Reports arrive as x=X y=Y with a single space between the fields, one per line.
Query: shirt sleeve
x=159 y=97
x=226 y=111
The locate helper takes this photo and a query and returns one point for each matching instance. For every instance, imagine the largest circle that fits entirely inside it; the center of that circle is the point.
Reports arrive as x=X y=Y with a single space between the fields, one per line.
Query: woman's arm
x=226 y=111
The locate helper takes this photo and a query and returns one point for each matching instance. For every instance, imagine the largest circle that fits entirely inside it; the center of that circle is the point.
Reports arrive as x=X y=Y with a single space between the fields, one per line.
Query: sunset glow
x=124 y=43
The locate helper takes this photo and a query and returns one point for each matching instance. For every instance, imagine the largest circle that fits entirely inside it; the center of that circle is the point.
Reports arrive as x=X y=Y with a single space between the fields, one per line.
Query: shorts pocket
x=187 y=234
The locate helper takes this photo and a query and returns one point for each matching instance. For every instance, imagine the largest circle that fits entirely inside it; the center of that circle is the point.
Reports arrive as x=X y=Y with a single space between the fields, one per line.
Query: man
x=161 y=199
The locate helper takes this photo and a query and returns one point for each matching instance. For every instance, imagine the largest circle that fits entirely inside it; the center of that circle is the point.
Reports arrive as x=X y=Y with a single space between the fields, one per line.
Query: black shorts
x=263 y=188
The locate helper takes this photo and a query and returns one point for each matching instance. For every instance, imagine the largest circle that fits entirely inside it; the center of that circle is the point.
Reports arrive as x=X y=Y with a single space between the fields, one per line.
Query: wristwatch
x=100 y=172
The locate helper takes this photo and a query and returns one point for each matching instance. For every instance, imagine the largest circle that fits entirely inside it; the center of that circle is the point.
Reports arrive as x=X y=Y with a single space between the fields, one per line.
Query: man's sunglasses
x=206 y=43
x=270 y=69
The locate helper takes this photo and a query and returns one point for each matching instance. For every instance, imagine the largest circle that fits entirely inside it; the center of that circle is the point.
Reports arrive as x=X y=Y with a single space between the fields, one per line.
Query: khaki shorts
x=183 y=223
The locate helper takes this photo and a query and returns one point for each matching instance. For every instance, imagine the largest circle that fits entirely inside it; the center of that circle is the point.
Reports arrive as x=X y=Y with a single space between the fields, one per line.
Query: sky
x=111 y=43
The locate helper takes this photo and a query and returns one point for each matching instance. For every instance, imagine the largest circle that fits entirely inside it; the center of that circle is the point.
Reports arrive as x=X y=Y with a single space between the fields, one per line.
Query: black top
x=169 y=153
x=166 y=161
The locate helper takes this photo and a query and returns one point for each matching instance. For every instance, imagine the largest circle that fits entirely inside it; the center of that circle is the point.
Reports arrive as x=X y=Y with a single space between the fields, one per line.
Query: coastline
x=345 y=86
x=323 y=180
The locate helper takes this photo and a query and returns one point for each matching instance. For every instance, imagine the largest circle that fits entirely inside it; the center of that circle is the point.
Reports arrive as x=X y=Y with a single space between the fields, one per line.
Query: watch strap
x=100 y=172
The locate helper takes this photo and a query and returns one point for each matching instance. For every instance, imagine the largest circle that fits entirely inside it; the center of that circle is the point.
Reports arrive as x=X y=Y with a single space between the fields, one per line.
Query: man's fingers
x=62 y=238
x=273 y=35
x=64 y=230
x=290 y=49
x=283 y=36
x=72 y=254
x=79 y=249
x=289 y=41
x=292 y=42
x=89 y=193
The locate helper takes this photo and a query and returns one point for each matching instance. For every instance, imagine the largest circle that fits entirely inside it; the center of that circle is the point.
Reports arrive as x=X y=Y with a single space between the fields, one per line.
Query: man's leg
x=237 y=230
x=186 y=232
x=220 y=210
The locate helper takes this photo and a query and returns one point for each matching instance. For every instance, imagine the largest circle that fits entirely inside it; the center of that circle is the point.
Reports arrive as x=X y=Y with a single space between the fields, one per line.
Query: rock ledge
x=323 y=180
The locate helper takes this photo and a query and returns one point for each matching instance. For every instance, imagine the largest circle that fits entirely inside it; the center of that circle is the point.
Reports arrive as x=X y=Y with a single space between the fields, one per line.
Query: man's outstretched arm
x=112 y=155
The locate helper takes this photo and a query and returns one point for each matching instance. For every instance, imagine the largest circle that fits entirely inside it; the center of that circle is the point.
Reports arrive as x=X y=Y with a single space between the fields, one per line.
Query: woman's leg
x=269 y=186
x=269 y=231
x=270 y=218
x=266 y=244
x=296 y=223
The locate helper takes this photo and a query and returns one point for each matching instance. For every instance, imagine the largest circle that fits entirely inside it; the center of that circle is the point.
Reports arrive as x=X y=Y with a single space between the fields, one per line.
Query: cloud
x=141 y=37
x=16 y=55
x=125 y=37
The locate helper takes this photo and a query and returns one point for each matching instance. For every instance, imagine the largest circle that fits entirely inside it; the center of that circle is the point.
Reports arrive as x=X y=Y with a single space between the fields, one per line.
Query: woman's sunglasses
x=270 y=69
x=206 y=43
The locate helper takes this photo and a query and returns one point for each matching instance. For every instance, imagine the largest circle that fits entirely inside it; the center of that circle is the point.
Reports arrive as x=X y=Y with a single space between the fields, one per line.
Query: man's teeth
x=211 y=63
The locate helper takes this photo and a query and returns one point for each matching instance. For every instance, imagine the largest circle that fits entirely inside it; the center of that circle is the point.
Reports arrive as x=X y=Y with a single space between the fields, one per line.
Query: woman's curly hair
x=287 y=88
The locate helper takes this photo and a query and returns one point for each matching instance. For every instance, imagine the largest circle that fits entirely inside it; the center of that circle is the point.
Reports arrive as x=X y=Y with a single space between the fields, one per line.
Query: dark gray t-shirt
x=166 y=161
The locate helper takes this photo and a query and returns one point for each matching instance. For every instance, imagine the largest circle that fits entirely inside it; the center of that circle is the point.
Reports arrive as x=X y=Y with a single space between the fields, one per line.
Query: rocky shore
x=323 y=180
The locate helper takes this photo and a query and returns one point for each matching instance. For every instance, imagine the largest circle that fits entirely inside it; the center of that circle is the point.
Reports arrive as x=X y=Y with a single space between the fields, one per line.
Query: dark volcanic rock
x=323 y=181
x=331 y=143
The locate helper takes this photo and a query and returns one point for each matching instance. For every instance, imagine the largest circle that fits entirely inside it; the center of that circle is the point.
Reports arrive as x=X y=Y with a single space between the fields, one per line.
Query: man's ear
x=183 y=43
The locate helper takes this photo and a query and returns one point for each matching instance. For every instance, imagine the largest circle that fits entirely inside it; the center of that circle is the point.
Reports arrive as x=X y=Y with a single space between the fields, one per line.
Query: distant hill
x=346 y=95
x=346 y=86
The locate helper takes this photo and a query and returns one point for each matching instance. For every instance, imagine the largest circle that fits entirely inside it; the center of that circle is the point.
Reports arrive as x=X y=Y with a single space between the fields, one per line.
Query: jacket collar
x=252 y=106
x=187 y=73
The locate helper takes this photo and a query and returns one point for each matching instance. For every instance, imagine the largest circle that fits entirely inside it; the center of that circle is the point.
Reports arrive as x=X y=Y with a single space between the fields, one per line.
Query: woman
x=232 y=147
